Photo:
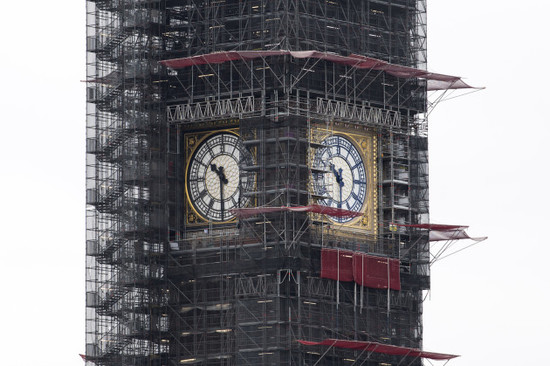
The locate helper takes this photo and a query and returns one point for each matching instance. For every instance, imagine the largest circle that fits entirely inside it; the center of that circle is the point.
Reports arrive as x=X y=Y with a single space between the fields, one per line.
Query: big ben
x=255 y=172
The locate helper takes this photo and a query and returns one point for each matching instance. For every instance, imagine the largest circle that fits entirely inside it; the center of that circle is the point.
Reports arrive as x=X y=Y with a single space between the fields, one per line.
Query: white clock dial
x=214 y=179
x=344 y=182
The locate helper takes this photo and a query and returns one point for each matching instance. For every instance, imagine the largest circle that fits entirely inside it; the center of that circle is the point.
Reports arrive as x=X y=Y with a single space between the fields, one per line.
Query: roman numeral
x=200 y=163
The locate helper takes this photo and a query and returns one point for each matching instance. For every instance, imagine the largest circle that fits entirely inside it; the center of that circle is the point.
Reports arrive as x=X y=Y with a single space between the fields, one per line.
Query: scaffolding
x=162 y=289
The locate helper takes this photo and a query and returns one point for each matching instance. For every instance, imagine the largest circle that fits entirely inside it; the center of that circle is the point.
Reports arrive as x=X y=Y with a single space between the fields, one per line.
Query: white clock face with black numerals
x=214 y=180
x=344 y=182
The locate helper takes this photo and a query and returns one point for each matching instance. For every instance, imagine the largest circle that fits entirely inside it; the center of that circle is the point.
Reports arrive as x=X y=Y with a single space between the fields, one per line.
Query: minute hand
x=223 y=180
x=339 y=180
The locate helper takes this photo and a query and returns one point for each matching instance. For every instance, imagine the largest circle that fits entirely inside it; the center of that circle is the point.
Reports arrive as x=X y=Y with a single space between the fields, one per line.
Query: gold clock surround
x=366 y=142
x=192 y=141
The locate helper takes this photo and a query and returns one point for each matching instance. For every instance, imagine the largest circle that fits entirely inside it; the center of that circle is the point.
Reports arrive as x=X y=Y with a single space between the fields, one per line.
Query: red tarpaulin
x=379 y=348
x=366 y=270
x=337 y=264
x=440 y=232
x=444 y=85
x=439 y=227
x=443 y=235
x=435 y=81
x=325 y=210
x=376 y=272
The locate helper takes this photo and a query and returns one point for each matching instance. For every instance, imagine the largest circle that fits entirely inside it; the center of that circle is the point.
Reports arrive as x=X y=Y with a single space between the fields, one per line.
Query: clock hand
x=223 y=180
x=334 y=170
x=219 y=172
x=338 y=175
x=341 y=184
x=339 y=180
x=222 y=175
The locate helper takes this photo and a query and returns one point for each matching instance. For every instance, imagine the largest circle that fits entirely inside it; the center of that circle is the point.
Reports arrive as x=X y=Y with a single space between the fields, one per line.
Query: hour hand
x=219 y=172
x=337 y=175
x=333 y=170
x=222 y=176
x=339 y=178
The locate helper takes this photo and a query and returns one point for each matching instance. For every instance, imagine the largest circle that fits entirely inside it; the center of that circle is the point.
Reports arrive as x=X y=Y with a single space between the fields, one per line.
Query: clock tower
x=253 y=167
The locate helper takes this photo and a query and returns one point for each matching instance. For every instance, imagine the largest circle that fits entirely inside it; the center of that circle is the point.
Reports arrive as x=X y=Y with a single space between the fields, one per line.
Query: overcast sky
x=488 y=169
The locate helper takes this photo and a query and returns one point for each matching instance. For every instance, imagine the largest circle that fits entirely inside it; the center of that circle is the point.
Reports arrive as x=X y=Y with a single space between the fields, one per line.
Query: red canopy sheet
x=436 y=81
x=437 y=235
x=337 y=264
x=331 y=211
x=439 y=227
x=366 y=270
x=380 y=348
x=376 y=272
x=440 y=232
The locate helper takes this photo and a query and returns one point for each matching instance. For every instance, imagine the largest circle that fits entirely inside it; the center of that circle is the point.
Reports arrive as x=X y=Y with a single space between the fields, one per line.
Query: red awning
x=435 y=81
x=379 y=348
x=440 y=227
x=440 y=232
x=441 y=235
x=325 y=210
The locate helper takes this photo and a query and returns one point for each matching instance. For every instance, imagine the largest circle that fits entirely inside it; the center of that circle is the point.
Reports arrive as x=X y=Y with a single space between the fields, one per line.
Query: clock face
x=343 y=182
x=214 y=180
